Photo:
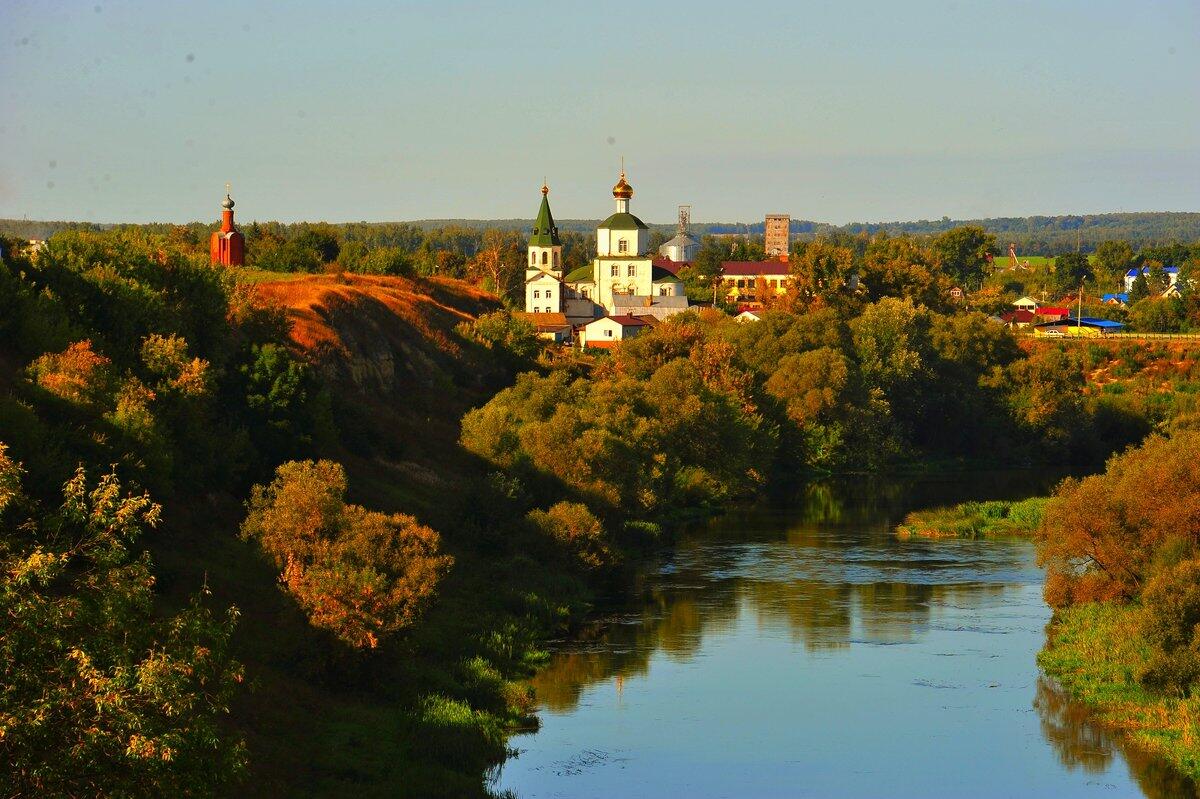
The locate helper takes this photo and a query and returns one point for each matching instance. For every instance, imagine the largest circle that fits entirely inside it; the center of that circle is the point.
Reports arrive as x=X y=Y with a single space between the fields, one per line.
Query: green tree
x=1113 y=259
x=1070 y=270
x=100 y=696
x=962 y=253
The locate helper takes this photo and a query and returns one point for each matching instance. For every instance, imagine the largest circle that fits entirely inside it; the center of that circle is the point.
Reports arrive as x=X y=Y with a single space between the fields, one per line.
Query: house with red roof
x=1050 y=313
x=747 y=283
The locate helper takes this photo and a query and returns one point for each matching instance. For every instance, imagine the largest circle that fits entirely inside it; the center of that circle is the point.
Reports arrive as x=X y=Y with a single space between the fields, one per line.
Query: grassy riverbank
x=1096 y=651
x=995 y=519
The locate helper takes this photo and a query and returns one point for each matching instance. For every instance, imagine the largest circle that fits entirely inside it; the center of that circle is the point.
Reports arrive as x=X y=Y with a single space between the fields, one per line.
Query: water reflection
x=1082 y=743
x=812 y=623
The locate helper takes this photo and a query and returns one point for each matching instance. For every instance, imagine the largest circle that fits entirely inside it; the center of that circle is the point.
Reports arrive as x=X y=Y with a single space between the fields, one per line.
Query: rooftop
x=623 y=220
x=754 y=268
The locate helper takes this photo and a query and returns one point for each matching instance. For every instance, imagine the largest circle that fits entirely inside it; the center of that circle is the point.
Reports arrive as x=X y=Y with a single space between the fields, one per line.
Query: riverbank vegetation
x=994 y=519
x=1122 y=557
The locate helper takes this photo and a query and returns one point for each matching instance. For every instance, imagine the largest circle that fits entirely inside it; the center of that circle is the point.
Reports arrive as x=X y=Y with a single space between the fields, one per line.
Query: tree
x=1103 y=534
x=361 y=574
x=900 y=267
x=1158 y=315
x=100 y=696
x=1140 y=289
x=962 y=253
x=78 y=374
x=1113 y=259
x=499 y=263
x=1070 y=270
x=824 y=270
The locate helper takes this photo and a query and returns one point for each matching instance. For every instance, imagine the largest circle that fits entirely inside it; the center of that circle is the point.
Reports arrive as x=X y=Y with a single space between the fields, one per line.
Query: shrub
x=78 y=374
x=361 y=574
x=100 y=696
x=577 y=532
x=1102 y=533
x=1170 y=615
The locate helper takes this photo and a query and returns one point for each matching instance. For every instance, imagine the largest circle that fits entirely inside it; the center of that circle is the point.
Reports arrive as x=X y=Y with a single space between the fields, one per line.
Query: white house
x=1026 y=304
x=748 y=316
x=1172 y=273
x=608 y=330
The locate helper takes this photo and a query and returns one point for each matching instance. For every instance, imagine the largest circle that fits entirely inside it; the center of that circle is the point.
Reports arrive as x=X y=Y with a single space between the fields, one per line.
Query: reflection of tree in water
x=1081 y=743
x=674 y=621
x=806 y=587
x=816 y=614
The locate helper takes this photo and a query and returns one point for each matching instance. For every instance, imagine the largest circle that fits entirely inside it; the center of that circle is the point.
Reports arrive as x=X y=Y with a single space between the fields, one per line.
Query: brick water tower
x=227 y=246
x=777 y=234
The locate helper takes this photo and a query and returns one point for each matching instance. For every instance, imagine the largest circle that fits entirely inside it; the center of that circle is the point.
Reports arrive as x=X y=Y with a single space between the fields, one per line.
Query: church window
x=614 y=271
x=537 y=294
x=543 y=259
x=533 y=259
x=632 y=271
x=622 y=246
x=556 y=258
x=662 y=291
x=547 y=293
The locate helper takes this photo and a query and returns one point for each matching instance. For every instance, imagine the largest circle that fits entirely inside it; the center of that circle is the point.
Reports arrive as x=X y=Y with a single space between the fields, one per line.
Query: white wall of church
x=608 y=242
x=633 y=276
x=544 y=294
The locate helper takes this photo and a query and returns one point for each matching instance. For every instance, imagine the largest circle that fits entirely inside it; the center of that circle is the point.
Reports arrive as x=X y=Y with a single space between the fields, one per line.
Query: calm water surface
x=805 y=652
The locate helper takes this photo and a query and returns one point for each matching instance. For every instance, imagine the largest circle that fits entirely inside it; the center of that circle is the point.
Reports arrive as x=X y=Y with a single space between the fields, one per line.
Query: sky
x=832 y=111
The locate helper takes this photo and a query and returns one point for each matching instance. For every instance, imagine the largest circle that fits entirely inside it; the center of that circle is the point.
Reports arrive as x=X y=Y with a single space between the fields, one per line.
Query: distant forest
x=1033 y=235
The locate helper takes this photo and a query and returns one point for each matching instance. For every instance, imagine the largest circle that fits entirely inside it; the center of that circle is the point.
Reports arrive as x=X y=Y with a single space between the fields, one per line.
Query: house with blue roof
x=1081 y=326
x=1120 y=298
x=1172 y=273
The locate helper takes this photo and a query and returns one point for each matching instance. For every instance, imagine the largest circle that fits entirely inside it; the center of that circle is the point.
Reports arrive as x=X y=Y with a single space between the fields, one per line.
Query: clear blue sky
x=834 y=111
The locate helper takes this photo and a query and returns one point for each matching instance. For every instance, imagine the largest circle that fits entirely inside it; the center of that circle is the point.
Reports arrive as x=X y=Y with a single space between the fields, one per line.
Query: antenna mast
x=685 y=218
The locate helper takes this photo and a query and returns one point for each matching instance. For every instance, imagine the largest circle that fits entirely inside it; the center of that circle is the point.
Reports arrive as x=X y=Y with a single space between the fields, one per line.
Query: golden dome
x=622 y=191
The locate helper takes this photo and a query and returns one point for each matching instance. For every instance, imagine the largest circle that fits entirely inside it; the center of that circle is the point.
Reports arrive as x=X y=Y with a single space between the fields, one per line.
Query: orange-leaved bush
x=77 y=374
x=358 y=573
x=1103 y=534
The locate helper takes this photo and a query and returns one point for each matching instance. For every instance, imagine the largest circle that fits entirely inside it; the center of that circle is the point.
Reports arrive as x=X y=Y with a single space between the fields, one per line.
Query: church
x=622 y=280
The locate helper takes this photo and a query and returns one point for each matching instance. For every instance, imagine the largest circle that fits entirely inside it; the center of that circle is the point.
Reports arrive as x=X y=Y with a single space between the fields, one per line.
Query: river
x=803 y=651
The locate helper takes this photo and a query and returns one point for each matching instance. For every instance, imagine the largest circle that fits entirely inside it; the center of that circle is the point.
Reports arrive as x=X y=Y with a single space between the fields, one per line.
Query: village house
x=550 y=326
x=606 y=331
x=747 y=284
x=1172 y=273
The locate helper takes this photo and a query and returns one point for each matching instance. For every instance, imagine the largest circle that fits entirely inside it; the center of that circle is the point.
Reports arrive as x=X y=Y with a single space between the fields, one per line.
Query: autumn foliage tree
x=361 y=574
x=1104 y=535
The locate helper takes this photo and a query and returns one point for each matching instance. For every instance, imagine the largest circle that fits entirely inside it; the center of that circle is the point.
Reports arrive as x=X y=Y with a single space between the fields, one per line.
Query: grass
x=1094 y=652
x=255 y=276
x=994 y=519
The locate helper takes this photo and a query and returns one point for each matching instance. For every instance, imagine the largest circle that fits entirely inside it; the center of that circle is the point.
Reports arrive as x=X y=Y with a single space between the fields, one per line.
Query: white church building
x=622 y=279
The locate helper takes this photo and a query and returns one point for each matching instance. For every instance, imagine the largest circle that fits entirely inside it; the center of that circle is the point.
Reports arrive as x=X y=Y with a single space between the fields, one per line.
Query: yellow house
x=741 y=281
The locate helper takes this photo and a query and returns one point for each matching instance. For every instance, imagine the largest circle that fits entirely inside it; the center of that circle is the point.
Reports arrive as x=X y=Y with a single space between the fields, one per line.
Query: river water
x=803 y=651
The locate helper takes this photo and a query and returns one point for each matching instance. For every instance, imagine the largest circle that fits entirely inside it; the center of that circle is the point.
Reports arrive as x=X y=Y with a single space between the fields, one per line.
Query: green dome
x=623 y=220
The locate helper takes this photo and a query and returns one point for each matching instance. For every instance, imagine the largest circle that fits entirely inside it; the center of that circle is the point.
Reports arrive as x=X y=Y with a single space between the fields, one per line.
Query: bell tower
x=545 y=246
